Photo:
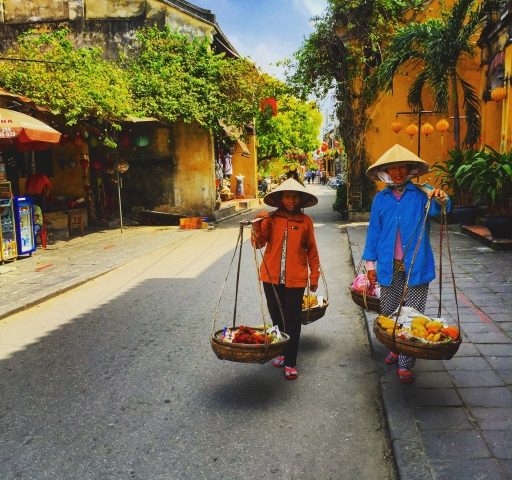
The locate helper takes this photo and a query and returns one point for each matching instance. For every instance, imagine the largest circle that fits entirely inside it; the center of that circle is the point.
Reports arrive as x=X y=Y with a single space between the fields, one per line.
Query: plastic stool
x=42 y=234
x=75 y=221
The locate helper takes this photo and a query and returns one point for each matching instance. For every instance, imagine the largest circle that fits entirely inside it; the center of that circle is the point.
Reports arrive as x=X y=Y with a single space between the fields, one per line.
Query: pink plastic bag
x=361 y=283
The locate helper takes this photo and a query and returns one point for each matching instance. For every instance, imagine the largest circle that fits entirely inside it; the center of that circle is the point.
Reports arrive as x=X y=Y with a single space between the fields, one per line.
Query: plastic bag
x=361 y=283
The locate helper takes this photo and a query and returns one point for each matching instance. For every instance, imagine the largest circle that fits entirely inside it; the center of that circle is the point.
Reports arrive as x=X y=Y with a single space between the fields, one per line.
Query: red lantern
x=396 y=126
x=498 y=94
x=96 y=165
x=324 y=147
x=269 y=102
x=124 y=140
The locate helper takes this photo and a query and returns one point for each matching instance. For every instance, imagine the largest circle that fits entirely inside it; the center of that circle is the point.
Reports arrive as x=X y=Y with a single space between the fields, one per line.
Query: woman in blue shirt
x=393 y=232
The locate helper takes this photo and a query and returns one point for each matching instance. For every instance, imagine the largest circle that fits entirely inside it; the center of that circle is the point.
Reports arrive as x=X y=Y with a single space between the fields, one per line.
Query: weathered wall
x=110 y=24
x=194 y=180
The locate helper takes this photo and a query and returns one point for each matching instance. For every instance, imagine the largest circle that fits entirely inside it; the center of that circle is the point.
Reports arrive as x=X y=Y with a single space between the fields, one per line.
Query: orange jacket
x=300 y=248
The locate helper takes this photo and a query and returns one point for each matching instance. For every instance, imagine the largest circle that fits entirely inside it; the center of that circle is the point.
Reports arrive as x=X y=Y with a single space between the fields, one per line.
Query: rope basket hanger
x=245 y=352
x=311 y=314
x=410 y=346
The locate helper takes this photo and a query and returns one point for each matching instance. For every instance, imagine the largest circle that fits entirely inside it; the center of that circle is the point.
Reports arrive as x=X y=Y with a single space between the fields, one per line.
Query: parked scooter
x=264 y=186
x=334 y=182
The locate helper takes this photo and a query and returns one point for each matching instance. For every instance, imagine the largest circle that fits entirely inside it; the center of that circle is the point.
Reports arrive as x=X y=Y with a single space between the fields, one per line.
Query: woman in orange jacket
x=290 y=258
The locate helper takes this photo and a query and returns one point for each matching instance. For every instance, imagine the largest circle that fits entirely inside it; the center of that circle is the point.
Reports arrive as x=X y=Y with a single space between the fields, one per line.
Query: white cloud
x=310 y=8
x=265 y=53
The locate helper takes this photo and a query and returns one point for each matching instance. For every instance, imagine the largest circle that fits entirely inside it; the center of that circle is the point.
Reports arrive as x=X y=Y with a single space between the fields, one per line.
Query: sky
x=265 y=30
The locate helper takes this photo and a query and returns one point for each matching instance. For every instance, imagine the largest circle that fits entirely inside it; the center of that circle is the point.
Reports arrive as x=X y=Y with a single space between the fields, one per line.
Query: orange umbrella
x=23 y=130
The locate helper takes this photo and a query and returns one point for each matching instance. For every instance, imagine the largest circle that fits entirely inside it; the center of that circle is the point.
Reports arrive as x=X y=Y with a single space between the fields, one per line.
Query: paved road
x=116 y=379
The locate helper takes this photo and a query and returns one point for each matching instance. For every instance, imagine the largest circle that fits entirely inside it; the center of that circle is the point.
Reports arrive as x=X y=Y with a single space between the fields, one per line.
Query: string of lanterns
x=426 y=128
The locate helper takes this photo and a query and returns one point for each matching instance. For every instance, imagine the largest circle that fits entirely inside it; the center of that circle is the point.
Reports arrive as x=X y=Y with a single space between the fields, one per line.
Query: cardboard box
x=191 y=222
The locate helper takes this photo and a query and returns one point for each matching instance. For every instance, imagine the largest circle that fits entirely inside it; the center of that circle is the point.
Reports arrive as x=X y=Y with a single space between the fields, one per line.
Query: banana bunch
x=309 y=301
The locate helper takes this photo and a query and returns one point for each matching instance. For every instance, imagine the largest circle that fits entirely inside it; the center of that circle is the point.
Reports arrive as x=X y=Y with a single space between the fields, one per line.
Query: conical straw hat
x=273 y=199
x=398 y=154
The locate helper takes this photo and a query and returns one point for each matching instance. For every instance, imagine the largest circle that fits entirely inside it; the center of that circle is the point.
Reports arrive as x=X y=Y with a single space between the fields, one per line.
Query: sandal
x=290 y=373
x=391 y=358
x=406 y=376
x=278 y=361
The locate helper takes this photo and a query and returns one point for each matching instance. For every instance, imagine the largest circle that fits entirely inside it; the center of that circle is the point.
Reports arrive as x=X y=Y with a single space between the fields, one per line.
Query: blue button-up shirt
x=388 y=214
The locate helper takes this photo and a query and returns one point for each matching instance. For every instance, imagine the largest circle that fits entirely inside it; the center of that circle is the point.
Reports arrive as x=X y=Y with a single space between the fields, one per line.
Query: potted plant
x=489 y=178
x=464 y=209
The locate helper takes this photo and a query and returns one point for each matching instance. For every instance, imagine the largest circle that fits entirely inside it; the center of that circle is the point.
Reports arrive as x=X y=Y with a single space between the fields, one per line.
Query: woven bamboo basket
x=247 y=353
x=367 y=302
x=309 y=315
x=416 y=349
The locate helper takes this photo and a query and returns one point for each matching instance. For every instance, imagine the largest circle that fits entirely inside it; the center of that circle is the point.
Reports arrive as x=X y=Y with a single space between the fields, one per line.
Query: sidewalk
x=455 y=421
x=69 y=263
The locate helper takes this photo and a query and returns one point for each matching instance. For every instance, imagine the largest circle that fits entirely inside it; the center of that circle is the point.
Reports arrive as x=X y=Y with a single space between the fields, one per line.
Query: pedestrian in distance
x=396 y=212
x=289 y=261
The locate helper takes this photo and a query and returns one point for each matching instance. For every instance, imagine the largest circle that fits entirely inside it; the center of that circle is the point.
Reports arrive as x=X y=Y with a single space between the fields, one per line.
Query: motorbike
x=263 y=186
x=334 y=182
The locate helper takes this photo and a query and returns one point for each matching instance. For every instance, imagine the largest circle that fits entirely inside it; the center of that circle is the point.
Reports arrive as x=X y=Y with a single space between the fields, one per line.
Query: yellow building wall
x=246 y=166
x=496 y=116
x=194 y=181
x=68 y=181
x=380 y=137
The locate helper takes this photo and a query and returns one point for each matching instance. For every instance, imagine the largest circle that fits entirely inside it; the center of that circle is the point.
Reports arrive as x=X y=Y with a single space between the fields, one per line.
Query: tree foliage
x=77 y=83
x=175 y=77
x=166 y=75
x=341 y=56
x=295 y=128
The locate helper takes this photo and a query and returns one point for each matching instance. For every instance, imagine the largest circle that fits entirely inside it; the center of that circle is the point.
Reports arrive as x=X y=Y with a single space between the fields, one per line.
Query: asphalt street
x=106 y=371
x=116 y=378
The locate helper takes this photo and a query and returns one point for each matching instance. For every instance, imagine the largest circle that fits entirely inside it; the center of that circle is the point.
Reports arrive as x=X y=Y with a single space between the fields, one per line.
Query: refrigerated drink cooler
x=8 y=248
x=24 y=215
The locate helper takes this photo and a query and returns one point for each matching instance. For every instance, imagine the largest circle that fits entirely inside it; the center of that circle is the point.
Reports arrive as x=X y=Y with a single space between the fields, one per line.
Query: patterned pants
x=390 y=300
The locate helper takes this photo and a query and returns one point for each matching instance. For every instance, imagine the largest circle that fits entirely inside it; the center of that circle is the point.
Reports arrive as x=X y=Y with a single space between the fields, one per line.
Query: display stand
x=8 y=249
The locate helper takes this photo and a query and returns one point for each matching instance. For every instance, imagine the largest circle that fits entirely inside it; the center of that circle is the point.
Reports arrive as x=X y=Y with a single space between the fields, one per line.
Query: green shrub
x=340 y=204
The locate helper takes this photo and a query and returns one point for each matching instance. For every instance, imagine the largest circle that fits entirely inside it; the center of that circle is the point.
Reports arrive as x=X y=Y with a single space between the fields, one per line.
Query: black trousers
x=291 y=303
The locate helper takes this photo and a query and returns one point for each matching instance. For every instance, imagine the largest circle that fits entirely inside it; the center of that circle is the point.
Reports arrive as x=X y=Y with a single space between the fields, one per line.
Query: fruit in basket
x=451 y=331
x=385 y=322
x=419 y=331
x=251 y=336
x=434 y=326
x=419 y=322
x=309 y=301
